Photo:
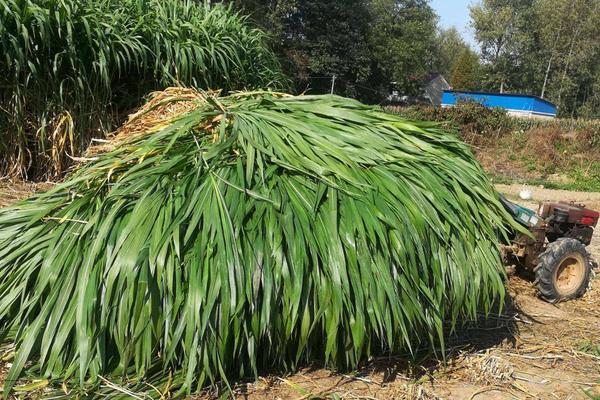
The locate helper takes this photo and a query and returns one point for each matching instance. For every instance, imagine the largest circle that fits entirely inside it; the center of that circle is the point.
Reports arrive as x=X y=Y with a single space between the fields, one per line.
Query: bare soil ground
x=12 y=191
x=534 y=350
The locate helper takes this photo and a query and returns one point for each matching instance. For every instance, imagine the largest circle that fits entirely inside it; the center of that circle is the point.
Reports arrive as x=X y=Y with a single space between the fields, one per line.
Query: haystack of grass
x=219 y=236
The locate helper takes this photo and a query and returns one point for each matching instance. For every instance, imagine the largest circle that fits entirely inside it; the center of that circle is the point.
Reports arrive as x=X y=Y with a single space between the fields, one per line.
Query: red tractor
x=555 y=249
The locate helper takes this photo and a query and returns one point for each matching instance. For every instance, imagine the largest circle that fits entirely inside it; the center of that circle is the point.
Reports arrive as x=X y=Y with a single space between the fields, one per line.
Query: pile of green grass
x=71 y=69
x=250 y=232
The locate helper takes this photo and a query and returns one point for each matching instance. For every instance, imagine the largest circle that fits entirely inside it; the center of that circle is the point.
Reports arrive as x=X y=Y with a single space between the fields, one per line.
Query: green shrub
x=70 y=68
x=466 y=117
x=473 y=118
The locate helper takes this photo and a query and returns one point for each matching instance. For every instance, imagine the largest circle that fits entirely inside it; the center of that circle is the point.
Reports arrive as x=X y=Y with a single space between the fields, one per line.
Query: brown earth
x=556 y=154
x=12 y=191
x=534 y=350
x=590 y=199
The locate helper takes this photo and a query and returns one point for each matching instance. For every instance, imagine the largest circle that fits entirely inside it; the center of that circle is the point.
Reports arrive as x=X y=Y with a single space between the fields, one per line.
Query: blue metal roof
x=510 y=102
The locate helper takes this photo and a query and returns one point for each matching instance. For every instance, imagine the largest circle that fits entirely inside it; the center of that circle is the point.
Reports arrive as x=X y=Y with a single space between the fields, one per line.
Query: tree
x=548 y=48
x=570 y=50
x=318 y=40
x=591 y=100
x=465 y=73
x=366 y=44
x=449 y=47
x=332 y=37
x=499 y=26
x=403 y=38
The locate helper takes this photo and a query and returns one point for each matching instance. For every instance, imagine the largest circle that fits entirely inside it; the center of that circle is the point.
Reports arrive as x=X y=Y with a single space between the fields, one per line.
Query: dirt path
x=12 y=191
x=533 y=351
x=591 y=199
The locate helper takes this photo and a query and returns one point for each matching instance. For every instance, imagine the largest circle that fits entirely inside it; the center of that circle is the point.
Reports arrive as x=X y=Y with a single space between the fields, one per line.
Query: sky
x=455 y=13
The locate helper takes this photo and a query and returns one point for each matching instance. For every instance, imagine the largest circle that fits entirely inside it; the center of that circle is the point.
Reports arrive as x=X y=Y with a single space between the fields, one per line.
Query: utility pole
x=332 y=83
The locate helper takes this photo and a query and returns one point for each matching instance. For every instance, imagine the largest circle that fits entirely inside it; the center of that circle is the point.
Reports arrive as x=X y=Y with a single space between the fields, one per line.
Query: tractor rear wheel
x=563 y=272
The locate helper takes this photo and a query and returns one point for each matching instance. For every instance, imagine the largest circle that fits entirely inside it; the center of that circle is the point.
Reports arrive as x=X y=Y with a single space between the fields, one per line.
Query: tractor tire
x=564 y=270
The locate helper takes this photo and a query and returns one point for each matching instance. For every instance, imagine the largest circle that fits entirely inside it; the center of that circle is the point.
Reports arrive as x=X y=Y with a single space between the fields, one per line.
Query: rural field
x=299 y=199
x=533 y=350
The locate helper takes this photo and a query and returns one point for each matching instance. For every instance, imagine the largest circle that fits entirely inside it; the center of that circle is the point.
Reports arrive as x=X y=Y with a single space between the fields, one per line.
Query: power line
x=337 y=78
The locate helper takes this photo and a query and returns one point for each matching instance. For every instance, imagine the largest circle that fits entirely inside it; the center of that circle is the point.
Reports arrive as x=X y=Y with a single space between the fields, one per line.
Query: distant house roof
x=515 y=104
x=502 y=94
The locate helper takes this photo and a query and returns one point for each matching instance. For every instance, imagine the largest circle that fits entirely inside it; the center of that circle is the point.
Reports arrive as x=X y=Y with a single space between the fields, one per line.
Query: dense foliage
x=466 y=71
x=252 y=231
x=548 y=48
x=465 y=118
x=70 y=68
x=450 y=47
x=366 y=44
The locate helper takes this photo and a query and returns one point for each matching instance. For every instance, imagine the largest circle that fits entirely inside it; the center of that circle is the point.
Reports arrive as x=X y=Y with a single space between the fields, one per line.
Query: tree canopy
x=548 y=48
x=465 y=71
x=450 y=46
x=366 y=44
